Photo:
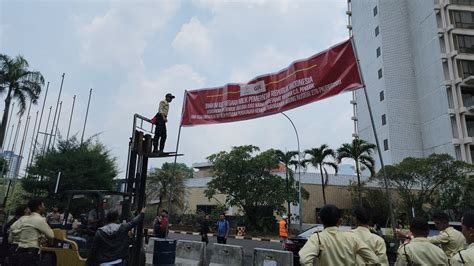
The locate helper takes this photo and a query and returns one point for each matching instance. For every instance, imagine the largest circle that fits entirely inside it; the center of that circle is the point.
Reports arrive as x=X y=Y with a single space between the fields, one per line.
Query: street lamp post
x=299 y=172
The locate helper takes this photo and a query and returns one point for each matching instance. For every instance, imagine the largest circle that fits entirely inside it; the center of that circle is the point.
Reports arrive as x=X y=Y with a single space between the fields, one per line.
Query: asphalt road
x=248 y=245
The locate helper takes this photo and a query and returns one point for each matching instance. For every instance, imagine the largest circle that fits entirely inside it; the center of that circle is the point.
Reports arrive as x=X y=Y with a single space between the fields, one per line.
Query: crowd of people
x=31 y=227
x=334 y=246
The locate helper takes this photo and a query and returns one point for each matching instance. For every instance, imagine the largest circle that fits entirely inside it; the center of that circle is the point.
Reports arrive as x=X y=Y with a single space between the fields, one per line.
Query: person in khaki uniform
x=449 y=239
x=30 y=229
x=161 y=120
x=419 y=251
x=373 y=241
x=466 y=257
x=333 y=246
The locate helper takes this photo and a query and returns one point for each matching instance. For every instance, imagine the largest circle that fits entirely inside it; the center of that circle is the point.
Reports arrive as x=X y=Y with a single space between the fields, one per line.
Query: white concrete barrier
x=190 y=253
x=272 y=257
x=228 y=255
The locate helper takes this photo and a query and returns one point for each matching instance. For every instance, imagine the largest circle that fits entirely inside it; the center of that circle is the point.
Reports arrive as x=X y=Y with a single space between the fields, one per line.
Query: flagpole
x=57 y=124
x=46 y=131
x=70 y=118
x=379 y=151
x=31 y=146
x=39 y=124
x=176 y=151
x=87 y=113
x=56 y=110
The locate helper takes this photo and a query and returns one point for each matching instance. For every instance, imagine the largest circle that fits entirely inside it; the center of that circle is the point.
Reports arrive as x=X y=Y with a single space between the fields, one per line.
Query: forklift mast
x=139 y=151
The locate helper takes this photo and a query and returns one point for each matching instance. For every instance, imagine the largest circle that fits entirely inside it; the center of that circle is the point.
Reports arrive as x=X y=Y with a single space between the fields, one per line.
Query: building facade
x=337 y=192
x=417 y=61
x=13 y=161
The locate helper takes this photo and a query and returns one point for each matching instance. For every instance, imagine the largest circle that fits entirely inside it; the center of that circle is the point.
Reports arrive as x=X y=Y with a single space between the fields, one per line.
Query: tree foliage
x=82 y=166
x=361 y=152
x=246 y=177
x=3 y=166
x=437 y=180
x=319 y=159
x=20 y=83
x=161 y=184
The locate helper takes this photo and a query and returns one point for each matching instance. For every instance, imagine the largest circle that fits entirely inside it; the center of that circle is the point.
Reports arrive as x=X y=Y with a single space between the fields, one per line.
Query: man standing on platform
x=160 y=125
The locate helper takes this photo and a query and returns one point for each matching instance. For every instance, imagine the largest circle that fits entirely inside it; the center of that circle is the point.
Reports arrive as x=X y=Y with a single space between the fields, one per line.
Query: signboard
x=305 y=81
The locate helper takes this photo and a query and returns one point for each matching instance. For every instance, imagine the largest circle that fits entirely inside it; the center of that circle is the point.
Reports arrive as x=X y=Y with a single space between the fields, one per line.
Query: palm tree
x=19 y=83
x=287 y=159
x=361 y=152
x=162 y=185
x=319 y=159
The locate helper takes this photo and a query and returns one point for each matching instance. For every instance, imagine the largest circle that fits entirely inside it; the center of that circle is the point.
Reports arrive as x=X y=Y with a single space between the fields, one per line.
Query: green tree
x=161 y=184
x=3 y=166
x=247 y=179
x=361 y=152
x=85 y=166
x=422 y=181
x=19 y=83
x=287 y=158
x=319 y=159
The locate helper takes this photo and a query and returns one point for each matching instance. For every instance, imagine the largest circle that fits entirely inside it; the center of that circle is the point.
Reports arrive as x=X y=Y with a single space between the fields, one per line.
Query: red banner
x=305 y=81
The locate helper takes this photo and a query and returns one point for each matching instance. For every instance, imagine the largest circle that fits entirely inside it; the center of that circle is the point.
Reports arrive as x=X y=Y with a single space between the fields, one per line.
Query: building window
x=384 y=120
x=377 y=31
x=466 y=68
x=463 y=2
x=206 y=209
x=378 y=52
x=465 y=43
x=470 y=126
x=380 y=73
x=463 y=19
x=385 y=144
x=382 y=96
x=375 y=11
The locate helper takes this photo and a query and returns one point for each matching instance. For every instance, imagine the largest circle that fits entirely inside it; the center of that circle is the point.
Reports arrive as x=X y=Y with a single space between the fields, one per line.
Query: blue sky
x=133 y=52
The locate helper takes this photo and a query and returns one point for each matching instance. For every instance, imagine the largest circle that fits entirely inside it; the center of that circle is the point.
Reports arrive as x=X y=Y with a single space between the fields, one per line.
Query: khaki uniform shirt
x=374 y=242
x=30 y=229
x=450 y=239
x=164 y=108
x=14 y=231
x=464 y=257
x=335 y=247
x=420 y=252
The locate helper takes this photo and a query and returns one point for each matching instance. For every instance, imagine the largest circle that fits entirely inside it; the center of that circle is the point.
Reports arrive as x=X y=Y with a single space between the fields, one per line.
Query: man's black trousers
x=160 y=133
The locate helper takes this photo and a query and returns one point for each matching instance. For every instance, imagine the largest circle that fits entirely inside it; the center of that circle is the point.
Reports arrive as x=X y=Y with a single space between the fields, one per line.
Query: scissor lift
x=140 y=150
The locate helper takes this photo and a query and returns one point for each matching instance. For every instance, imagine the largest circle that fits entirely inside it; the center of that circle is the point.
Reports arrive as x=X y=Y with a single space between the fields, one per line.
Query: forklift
x=72 y=241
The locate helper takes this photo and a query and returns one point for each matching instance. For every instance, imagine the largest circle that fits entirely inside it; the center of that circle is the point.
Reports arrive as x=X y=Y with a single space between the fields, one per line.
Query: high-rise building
x=417 y=60
x=13 y=160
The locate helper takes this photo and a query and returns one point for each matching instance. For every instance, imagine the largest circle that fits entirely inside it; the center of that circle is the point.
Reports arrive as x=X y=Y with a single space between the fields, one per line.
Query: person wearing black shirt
x=205 y=229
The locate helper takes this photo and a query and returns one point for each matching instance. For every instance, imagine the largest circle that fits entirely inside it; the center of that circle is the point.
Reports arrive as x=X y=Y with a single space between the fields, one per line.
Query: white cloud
x=141 y=94
x=193 y=39
x=119 y=37
x=265 y=60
